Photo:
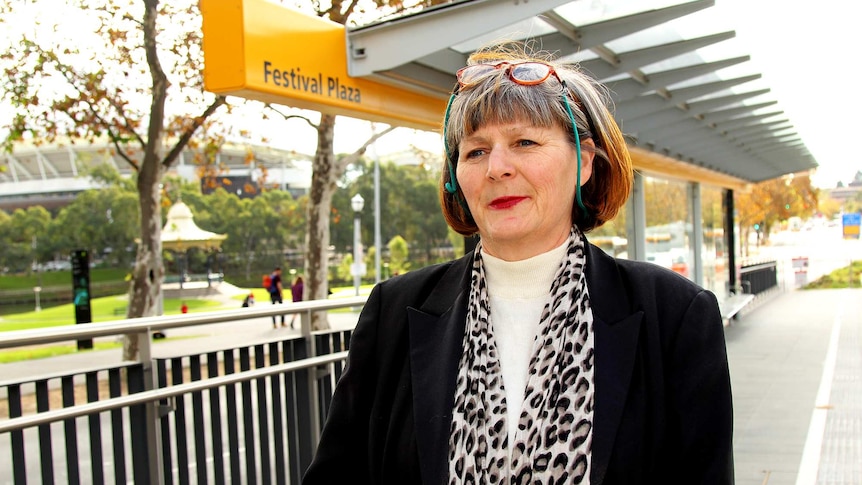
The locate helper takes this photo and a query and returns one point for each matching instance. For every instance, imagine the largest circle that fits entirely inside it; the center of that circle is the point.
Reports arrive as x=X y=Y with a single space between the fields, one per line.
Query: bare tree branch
x=188 y=132
x=287 y=117
x=344 y=162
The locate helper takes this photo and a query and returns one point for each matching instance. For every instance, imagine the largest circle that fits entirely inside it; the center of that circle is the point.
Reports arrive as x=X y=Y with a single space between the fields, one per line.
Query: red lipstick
x=505 y=202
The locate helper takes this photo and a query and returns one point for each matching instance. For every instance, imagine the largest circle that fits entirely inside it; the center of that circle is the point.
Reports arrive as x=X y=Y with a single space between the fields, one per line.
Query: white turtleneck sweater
x=518 y=291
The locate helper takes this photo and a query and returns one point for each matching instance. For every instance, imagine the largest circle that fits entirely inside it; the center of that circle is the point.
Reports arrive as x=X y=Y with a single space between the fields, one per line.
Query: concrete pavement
x=795 y=368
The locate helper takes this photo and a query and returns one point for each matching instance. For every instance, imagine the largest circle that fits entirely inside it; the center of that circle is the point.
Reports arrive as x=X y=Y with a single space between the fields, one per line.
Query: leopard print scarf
x=554 y=437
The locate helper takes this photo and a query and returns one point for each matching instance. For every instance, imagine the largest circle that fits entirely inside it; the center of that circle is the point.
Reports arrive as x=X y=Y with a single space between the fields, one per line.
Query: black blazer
x=663 y=409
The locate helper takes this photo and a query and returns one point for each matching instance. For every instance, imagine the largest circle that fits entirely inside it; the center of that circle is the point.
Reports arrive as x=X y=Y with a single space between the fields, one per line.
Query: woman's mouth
x=505 y=202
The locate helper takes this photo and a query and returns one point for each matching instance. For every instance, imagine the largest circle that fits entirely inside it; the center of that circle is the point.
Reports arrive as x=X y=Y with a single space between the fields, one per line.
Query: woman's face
x=519 y=182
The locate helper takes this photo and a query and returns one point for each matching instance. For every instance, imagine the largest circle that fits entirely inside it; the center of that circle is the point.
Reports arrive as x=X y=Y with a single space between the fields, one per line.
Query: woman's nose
x=500 y=165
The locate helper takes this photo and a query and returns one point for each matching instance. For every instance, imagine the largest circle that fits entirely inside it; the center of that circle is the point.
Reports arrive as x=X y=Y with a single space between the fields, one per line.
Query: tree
x=21 y=233
x=398 y=251
x=775 y=200
x=327 y=171
x=409 y=206
x=102 y=221
x=136 y=81
x=326 y=168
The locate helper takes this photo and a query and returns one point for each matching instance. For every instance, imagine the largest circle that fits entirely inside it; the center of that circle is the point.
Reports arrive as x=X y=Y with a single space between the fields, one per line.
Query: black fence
x=250 y=414
x=759 y=277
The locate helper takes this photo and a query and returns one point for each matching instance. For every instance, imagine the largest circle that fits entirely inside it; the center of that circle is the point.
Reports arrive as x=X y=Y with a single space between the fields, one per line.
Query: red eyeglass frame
x=509 y=70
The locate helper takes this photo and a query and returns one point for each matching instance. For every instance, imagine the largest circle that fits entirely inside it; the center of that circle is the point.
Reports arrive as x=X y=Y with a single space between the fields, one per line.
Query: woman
x=537 y=358
x=296 y=290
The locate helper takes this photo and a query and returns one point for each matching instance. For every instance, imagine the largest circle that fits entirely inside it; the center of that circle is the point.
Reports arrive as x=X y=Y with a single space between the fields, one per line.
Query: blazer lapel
x=617 y=330
x=616 y=347
x=436 y=341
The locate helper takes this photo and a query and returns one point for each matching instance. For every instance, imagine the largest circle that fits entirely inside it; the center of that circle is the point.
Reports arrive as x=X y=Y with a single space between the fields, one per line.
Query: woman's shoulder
x=625 y=286
x=428 y=274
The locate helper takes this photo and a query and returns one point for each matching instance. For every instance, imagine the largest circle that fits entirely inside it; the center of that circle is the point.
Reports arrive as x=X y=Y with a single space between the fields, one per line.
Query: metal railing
x=247 y=414
x=757 y=278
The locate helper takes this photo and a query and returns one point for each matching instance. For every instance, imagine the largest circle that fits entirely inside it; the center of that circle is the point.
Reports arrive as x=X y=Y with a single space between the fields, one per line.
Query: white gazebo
x=181 y=234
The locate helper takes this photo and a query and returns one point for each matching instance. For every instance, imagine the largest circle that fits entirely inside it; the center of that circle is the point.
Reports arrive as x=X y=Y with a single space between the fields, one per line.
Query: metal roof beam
x=731 y=113
x=761 y=132
x=629 y=61
x=598 y=33
x=16 y=166
x=673 y=131
x=638 y=119
x=705 y=89
x=640 y=107
x=630 y=88
x=745 y=121
x=709 y=131
x=671 y=138
x=704 y=143
x=46 y=163
x=707 y=105
x=389 y=44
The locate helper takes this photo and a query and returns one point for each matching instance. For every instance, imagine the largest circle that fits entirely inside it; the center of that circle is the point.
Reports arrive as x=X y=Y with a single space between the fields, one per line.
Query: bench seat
x=733 y=304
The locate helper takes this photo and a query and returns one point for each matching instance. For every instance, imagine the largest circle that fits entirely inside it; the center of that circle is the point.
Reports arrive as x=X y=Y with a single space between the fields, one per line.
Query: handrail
x=20 y=338
x=758 y=266
x=166 y=392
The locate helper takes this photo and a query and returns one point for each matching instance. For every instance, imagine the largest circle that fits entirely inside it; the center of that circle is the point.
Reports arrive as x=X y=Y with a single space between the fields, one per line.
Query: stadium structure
x=52 y=175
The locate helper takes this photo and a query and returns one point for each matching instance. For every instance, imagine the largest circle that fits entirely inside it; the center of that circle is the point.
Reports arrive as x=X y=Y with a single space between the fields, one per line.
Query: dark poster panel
x=81 y=291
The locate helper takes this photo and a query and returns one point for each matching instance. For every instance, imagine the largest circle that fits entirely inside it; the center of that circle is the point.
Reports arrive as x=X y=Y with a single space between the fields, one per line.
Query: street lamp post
x=358 y=268
x=38 y=288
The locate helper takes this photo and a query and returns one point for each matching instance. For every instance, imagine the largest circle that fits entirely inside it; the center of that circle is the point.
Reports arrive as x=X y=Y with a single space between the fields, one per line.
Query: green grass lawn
x=103 y=309
x=58 y=278
x=30 y=353
x=849 y=276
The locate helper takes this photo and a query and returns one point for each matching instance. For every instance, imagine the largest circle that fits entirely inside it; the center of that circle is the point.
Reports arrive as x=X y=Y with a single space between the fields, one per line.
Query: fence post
x=312 y=413
x=154 y=434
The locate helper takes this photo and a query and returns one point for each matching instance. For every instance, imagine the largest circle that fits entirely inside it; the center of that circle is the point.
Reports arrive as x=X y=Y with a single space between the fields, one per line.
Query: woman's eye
x=525 y=143
x=475 y=153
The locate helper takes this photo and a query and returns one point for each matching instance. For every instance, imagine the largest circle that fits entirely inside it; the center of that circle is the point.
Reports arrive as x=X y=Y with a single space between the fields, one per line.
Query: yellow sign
x=259 y=50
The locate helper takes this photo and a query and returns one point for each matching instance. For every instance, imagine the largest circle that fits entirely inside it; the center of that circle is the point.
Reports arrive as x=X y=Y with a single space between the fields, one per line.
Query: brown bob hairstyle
x=495 y=98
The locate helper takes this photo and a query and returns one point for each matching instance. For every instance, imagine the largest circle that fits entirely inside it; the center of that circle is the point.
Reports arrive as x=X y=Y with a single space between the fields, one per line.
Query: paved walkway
x=795 y=371
x=795 y=361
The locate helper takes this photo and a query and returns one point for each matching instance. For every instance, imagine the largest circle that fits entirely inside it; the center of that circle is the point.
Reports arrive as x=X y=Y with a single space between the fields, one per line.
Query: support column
x=730 y=239
x=636 y=220
x=695 y=206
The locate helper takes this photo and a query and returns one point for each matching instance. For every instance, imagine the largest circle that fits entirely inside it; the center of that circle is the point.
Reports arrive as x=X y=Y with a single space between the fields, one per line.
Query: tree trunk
x=148 y=273
x=324 y=175
x=149 y=268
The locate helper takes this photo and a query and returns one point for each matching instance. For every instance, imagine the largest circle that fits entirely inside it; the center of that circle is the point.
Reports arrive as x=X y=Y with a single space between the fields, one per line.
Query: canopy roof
x=181 y=233
x=671 y=101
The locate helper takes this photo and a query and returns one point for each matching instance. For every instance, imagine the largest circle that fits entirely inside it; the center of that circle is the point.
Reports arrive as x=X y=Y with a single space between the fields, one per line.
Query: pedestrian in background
x=296 y=290
x=275 y=293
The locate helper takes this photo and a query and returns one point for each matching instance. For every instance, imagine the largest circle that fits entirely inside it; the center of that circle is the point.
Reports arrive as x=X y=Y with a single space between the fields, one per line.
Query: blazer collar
x=436 y=341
